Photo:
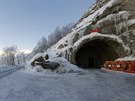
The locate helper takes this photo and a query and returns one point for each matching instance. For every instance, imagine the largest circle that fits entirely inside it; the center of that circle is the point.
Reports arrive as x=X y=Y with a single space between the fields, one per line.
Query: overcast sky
x=24 y=22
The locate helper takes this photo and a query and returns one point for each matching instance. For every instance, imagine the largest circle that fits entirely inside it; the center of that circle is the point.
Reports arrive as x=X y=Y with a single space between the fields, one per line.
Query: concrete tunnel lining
x=94 y=53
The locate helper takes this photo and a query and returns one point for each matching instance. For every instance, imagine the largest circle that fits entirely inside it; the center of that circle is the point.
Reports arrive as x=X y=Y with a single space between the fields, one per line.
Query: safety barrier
x=109 y=64
x=119 y=65
x=125 y=66
x=130 y=66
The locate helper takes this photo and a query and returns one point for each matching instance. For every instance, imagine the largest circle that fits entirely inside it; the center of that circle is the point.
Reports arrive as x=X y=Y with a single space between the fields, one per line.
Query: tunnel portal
x=93 y=54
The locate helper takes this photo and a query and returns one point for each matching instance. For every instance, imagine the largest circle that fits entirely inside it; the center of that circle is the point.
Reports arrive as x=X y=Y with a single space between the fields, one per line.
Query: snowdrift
x=64 y=66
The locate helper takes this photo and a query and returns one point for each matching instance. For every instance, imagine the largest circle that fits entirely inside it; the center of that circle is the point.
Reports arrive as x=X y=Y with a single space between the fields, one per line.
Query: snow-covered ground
x=129 y=58
x=88 y=85
x=2 y=69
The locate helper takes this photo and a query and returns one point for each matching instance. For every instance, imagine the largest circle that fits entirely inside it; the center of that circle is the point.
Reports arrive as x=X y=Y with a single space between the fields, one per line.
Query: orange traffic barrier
x=130 y=66
x=125 y=66
x=132 y=70
x=119 y=65
x=109 y=64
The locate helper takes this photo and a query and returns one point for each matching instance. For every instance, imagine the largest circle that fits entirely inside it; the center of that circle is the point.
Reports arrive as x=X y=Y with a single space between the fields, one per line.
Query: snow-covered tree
x=50 y=40
x=66 y=29
x=8 y=56
x=59 y=32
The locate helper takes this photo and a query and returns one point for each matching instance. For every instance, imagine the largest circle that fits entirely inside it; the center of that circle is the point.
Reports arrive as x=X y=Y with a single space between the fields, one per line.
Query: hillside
x=106 y=30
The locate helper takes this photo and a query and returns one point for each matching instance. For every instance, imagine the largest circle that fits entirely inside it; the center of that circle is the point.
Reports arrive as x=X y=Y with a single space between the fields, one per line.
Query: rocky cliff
x=106 y=31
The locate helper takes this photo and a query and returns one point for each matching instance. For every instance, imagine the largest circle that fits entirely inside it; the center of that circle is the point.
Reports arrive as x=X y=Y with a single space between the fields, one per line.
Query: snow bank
x=64 y=67
x=30 y=68
x=129 y=58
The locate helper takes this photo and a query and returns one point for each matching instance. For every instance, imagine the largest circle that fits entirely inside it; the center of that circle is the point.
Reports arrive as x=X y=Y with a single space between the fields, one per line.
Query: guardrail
x=4 y=73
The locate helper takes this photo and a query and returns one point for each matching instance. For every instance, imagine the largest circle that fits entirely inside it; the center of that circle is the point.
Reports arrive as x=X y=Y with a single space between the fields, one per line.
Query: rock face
x=49 y=65
x=106 y=31
x=119 y=19
x=40 y=59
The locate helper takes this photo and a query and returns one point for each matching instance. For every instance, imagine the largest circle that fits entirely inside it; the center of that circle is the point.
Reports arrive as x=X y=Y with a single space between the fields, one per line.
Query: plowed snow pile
x=64 y=67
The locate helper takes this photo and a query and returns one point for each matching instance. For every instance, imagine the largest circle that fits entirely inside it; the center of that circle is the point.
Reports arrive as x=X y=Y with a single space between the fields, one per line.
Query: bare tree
x=50 y=40
x=66 y=29
x=41 y=46
x=59 y=33
x=20 y=58
x=8 y=57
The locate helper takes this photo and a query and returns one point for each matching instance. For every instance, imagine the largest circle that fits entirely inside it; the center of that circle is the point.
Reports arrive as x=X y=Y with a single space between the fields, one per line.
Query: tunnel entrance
x=91 y=61
x=93 y=54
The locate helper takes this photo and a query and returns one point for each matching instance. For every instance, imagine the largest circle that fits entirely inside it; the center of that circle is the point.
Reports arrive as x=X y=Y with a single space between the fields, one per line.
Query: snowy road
x=7 y=71
x=92 y=85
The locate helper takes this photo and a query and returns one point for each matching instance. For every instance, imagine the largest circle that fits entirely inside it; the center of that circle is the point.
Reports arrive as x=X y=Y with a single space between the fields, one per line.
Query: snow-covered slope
x=113 y=17
x=110 y=23
x=113 y=14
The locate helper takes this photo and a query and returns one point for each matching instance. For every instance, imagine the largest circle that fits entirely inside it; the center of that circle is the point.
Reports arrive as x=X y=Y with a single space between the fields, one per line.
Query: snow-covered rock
x=65 y=66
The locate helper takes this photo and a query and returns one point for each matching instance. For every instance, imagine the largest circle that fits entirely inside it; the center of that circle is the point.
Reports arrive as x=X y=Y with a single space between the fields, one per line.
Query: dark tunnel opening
x=93 y=54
